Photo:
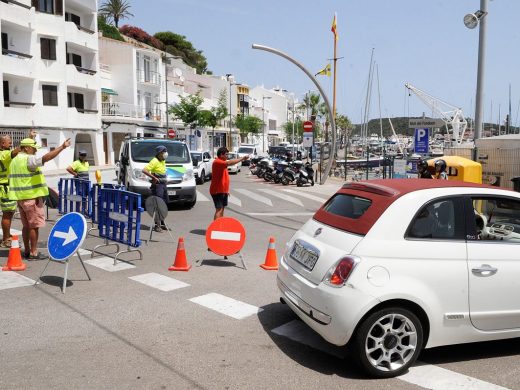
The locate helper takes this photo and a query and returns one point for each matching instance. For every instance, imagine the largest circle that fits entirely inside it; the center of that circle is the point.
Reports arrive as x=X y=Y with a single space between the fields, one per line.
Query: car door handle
x=484 y=270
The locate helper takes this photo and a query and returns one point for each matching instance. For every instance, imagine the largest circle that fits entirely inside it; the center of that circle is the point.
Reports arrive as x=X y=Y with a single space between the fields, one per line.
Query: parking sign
x=421 y=143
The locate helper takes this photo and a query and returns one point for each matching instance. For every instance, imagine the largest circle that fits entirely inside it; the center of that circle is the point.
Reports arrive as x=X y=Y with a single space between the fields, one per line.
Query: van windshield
x=244 y=149
x=144 y=151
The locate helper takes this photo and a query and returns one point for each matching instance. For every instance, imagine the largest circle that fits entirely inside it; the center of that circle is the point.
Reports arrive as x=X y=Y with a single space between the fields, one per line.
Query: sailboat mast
x=367 y=99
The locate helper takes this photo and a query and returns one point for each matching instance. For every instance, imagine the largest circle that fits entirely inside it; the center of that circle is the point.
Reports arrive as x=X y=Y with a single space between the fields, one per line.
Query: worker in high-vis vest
x=79 y=168
x=156 y=170
x=8 y=206
x=27 y=186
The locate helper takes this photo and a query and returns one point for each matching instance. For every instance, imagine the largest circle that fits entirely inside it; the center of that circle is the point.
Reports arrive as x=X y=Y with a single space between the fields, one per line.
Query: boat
x=354 y=162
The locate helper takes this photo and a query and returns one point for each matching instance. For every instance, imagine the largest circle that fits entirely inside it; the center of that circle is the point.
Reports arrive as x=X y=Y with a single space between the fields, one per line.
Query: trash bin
x=516 y=183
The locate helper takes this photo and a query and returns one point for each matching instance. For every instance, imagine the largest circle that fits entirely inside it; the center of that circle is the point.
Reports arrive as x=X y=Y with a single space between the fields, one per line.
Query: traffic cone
x=271 y=260
x=14 y=261
x=180 y=263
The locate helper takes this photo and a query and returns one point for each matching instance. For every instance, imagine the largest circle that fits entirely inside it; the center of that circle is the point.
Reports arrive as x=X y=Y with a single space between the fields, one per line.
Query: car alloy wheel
x=388 y=342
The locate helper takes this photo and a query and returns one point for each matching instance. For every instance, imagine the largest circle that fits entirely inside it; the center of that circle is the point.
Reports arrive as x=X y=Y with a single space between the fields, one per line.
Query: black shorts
x=220 y=200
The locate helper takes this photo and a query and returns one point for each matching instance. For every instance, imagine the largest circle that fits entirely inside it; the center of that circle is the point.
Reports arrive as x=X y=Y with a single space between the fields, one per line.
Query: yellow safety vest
x=24 y=184
x=5 y=160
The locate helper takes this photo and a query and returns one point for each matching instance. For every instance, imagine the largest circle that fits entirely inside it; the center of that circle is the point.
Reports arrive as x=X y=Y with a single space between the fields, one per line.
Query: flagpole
x=334 y=81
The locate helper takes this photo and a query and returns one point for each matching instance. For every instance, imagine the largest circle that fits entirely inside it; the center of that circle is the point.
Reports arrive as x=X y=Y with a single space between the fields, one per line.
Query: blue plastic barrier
x=119 y=220
x=95 y=196
x=74 y=196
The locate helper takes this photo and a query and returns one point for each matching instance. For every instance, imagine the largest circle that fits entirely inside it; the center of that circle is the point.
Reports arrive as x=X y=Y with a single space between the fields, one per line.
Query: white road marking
x=201 y=197
x=297 y=330
x=226 y=236
x=84 y=252
x=10 y=279
x=280 y=214
x=287 y=198
x=306 y=195
x=438 y=378
x=424 y=375
x=233 y=199
x=160 y=282
x=107 y=264
x=254 y=196
x=228 y=306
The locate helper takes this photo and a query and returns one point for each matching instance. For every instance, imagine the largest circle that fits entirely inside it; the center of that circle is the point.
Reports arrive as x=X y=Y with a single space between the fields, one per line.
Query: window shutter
x=59 y=7
x=78 y=101
x=50 y=95
x=52 y=49
x=44 y=48
x=54 y=96
x=69 y=99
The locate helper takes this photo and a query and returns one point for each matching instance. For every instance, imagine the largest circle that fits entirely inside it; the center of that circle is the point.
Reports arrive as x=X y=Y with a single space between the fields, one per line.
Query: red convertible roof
x=382 y=193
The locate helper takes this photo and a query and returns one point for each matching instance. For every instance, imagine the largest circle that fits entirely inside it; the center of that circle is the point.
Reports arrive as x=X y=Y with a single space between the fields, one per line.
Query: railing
x=15 y=53
x=22 y=104
x=17 y=3
x=81 y=28
x=85 y=70
x=105 y=67
x=148 y=77
x=130 y=111
x=86 y=111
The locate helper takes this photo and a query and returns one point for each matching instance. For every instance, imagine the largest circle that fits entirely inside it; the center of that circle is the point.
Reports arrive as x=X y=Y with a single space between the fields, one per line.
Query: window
x=72 y=18
x=74 y=59
x=48 y=48
x=438 y=220
x=48 y=6
x=50 y=95
x=348 y=206
x=496 y=219
x=75 y=100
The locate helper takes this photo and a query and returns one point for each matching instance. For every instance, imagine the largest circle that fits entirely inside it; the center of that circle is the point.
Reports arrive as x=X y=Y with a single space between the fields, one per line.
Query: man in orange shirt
x=219 y=188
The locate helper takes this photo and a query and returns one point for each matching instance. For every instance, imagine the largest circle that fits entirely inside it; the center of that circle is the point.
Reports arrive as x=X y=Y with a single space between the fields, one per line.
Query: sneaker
x=38 y=256
x=6 y=243
x=157 y=229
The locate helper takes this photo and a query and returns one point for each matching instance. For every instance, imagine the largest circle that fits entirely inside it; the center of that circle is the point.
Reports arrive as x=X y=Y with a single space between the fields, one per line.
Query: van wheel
x=202 y=177
x=388 y=342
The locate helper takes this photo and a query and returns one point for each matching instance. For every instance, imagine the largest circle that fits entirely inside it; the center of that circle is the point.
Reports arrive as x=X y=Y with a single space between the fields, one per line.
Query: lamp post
x=471 y=21
x=231 y=83
x=263 y=121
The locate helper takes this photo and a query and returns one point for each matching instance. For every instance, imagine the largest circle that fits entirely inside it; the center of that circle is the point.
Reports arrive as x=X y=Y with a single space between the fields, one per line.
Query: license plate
x=172 y=192
x=304 y=256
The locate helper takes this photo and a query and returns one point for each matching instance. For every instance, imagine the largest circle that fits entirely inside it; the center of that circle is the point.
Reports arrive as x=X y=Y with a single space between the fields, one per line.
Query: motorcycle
x=280 y=168
x=305 y=175
x=269 y=170
x=291 y=172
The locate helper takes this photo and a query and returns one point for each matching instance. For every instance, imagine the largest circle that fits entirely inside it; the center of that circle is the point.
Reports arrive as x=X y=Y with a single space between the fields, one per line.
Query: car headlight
x=138 y=174
x=188 y=175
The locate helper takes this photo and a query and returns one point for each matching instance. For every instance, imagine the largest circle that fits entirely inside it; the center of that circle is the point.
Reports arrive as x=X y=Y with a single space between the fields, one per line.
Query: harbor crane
x=452 y=116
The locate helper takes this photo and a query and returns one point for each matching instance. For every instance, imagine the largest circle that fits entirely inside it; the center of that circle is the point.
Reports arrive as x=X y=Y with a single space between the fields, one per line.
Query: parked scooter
x=280 y=168
x=269 y=170
x=305 y=175
x=291 y=172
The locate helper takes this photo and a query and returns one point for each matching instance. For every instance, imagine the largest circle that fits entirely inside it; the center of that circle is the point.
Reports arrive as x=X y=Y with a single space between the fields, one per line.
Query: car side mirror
x=124 y=160
x=195 y=161
x=206 y=160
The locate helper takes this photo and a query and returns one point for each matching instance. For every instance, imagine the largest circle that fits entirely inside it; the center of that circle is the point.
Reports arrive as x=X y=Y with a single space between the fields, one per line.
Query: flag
x=333 y=28
x=324 y=72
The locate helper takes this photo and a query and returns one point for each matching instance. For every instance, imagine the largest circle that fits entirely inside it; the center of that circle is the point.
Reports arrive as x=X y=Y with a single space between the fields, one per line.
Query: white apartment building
x=50 y=78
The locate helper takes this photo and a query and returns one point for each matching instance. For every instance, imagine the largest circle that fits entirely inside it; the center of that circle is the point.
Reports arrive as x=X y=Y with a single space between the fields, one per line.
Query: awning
x=108 y=91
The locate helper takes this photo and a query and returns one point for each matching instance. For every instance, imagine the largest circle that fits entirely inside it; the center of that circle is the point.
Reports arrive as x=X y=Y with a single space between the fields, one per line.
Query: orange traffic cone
x=180 y=263
x=14 y=261
x=271 y=260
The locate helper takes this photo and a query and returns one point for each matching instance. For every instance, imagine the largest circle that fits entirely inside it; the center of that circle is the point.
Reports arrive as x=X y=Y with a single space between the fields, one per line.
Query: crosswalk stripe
x=306 y=195
x=201 y=197
x=10 y=279
x=283 y=196
x=158 y=281
x=225 y=305
x=233 y=199
x=107 y=264
x=258 y=198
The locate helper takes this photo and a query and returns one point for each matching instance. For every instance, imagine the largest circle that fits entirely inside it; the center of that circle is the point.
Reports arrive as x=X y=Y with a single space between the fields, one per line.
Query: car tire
x=202 y=177
x=393 y=333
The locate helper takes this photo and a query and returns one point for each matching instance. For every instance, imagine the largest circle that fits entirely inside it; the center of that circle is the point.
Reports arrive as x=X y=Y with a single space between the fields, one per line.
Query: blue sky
x=423 y=42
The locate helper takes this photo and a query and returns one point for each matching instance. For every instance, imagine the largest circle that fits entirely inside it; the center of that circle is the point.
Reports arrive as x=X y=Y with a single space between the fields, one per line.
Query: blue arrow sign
x=67 y=236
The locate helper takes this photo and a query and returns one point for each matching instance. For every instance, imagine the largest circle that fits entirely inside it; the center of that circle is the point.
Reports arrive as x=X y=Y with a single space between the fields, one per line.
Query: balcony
x=17 y=12
x=16 y=54
x=80 y=38
x=81 y=78
x=148 y=77
x=125 y=110
x=19 y=4
x=18 y=104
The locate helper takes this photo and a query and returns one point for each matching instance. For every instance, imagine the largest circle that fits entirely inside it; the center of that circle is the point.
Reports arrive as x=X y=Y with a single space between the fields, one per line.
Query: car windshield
x=243 y=149
x=232 y=156
x=197 y=156
x=144 y=151
x=347 y=206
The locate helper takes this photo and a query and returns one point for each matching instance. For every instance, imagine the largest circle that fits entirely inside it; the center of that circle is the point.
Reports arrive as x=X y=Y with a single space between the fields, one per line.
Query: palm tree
x=115 y=10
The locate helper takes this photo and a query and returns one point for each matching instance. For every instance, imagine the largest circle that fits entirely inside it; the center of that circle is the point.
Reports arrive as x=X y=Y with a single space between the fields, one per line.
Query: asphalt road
x=215 y=327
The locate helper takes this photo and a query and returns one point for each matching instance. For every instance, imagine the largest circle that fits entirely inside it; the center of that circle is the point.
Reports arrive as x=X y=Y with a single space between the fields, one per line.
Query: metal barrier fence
x=74 y=196
x=95 y=196
x=119 y=220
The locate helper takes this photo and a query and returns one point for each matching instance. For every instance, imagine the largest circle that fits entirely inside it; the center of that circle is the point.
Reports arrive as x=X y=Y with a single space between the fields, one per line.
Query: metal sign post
x=65 y=238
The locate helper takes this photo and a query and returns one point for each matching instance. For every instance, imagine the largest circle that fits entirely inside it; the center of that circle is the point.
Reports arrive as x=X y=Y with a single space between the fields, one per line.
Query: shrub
x=141 y=36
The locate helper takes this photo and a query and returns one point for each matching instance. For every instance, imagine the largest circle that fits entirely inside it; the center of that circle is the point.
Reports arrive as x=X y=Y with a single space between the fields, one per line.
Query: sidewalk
x=93 y=168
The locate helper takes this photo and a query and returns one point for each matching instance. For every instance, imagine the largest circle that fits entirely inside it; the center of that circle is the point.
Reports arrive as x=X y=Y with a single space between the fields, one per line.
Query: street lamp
x=263 y=120
x=231 y=83
x=471 y=21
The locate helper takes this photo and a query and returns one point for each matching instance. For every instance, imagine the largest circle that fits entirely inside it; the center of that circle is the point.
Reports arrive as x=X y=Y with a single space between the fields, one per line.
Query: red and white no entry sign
x=225 y=236
x=307 y=126
x=171 y=133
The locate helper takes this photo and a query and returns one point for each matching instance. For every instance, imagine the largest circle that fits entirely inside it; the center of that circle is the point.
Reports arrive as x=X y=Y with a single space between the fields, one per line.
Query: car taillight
x=338 y=274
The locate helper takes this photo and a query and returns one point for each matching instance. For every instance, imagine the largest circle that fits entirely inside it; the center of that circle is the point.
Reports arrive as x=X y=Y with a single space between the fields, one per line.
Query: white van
x=247 y=150
x=136 y=153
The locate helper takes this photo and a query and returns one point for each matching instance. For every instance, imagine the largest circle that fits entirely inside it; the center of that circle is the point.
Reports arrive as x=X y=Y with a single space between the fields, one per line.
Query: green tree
x=248 y=124
x=108 y=30
x=188 y=110
x=115 y=10
x=179 y=46
x=311 y=103
x=343 y=122
x=298 y=130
